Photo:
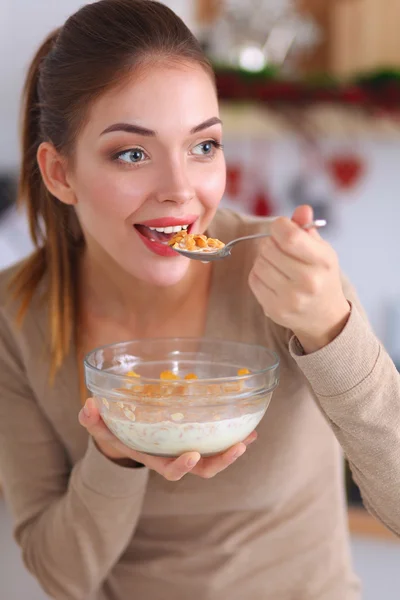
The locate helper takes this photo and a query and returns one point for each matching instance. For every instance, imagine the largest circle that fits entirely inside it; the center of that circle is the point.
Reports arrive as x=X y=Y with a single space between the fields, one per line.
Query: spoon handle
x=314 y=224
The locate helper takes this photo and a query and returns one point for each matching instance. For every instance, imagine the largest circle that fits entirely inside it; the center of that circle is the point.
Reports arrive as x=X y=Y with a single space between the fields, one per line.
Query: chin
x=165 y=274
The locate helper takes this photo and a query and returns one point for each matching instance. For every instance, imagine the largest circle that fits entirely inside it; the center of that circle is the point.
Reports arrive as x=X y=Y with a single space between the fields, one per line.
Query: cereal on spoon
x=194 y=242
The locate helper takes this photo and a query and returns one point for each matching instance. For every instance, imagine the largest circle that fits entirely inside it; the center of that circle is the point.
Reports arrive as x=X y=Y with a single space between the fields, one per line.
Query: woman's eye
x=132 y=156
x=207 y=148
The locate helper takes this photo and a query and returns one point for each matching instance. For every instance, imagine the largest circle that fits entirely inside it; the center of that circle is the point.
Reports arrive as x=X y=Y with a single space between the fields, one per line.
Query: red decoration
x=233 y=180
x=345 y=170
x=262 y=205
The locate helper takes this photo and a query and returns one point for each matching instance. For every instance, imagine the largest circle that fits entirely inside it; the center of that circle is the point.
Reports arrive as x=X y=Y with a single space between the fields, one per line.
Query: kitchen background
x=311 y=108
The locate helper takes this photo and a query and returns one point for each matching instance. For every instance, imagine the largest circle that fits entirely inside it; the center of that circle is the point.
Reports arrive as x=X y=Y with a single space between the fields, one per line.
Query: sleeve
x=72 y=526
x=358 y=389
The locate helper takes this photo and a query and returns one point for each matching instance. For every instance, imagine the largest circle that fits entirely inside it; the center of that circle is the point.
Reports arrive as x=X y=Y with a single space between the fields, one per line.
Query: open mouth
x=161 y=234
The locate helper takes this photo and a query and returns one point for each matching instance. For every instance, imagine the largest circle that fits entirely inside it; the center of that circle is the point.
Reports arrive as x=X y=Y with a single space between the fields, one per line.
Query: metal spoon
x=226 y=250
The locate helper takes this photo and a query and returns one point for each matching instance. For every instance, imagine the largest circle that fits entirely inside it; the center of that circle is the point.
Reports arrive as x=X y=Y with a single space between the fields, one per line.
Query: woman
x=121 y=133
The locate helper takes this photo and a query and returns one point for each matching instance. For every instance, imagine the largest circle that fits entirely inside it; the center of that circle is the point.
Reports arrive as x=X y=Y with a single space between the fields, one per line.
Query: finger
x=260 y=287
x=188 y=462
x=271 y=273
x=265 y=296
x=174 y=469
x=303 y=215
x=295 y=242
x=209 y=467
x=170 y=468
x=181 y=466
x=269 y=249
x=250 y=438
x=90 y=418
x=292 y=269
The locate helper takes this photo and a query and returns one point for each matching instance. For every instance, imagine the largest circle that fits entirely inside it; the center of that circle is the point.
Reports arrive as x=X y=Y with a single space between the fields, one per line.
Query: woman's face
x=149 y=159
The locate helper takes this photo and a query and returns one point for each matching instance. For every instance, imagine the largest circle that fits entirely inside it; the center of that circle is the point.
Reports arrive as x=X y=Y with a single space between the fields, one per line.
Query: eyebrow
x=139 y=130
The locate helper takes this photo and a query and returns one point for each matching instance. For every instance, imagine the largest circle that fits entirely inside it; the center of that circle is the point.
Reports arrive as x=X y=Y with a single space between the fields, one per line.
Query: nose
x=175 y=185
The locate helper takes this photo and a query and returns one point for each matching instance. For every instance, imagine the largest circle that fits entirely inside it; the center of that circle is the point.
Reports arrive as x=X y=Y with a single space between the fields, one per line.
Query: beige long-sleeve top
x=270 y=527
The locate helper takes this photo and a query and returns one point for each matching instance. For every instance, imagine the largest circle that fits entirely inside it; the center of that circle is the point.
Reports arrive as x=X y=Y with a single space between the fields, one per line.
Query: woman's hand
x=172 y=469
x=296 y=279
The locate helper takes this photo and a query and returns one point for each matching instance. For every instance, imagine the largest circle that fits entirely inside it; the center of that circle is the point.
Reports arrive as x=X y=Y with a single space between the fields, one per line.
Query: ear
x=53 y=168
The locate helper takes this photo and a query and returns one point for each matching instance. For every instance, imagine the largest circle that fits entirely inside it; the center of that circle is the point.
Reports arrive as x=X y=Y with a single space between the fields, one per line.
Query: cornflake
x=168 y=375
x=243 y=372
x=158 y=390
x=194 y=242
x=132 y=374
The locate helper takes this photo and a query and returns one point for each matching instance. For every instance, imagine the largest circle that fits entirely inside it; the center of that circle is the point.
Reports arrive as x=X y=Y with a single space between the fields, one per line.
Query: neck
x=109 y=292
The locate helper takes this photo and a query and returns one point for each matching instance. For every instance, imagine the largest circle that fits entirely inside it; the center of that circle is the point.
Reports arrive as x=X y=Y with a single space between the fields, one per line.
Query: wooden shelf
x=357 y=35
x=324 y=120
x=364 y=35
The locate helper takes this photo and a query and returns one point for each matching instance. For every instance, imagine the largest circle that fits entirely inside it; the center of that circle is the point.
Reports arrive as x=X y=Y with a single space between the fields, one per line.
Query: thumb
x=304 y=214
x=89 y=417
x=89 y=412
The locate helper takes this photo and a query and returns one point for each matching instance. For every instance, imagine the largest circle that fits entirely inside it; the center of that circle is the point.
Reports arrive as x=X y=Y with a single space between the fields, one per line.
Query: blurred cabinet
x=207 y=11
x=360 y=35
x=365 y=35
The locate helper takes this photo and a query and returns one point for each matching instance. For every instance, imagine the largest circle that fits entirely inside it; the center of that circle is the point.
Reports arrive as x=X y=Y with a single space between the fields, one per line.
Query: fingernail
x=86 y=411
x=191 y=462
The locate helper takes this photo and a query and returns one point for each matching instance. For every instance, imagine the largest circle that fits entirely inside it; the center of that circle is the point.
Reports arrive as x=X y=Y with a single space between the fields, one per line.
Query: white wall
x=23 y=26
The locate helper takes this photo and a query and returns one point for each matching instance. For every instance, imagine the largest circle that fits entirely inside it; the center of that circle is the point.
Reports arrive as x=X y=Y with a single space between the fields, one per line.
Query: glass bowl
x=173 y=395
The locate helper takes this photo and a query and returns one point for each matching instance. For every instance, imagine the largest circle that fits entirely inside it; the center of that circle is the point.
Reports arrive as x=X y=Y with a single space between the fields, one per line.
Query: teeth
x=169 y=229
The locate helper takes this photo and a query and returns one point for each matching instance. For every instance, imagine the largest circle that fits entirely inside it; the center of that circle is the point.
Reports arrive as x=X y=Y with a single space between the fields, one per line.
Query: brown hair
x=96 y=48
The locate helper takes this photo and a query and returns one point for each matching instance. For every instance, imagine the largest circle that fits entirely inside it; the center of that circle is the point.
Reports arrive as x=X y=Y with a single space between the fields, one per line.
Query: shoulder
x=8 y=305
x=13 y=333
x=6 y=277
x=10 y=356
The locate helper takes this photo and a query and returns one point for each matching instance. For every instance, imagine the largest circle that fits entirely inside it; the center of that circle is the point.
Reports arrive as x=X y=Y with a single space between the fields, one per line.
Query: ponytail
x=96 y=49
x=51 y=225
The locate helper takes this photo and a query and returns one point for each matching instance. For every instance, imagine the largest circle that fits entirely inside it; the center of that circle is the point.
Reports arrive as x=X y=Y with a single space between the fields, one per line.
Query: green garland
x=377 y=88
